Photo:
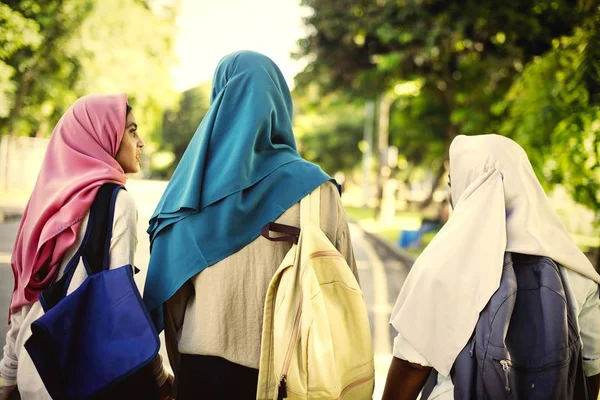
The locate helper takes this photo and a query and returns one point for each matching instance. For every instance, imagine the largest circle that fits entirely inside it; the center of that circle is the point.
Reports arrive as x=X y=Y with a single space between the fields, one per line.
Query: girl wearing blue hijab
x=240 y=171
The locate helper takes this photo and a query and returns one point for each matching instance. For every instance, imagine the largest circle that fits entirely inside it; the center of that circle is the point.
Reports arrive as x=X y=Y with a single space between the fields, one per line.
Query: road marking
x=363 y=265
x=381 y=343
x=399 y=265
x=382 y=309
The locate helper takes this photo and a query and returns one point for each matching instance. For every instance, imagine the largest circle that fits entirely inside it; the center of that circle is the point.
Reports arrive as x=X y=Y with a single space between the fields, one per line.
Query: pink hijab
x=79 y=159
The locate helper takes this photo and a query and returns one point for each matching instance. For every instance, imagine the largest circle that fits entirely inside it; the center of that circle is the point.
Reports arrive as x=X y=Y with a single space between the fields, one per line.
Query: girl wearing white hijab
x=499 y=206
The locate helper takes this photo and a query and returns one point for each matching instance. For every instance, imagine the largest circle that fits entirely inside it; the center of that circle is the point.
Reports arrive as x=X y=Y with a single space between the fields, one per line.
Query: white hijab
x=499 y=206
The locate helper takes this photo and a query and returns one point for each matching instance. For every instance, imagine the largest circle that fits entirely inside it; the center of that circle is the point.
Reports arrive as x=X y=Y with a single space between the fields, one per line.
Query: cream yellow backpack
x=316 y=340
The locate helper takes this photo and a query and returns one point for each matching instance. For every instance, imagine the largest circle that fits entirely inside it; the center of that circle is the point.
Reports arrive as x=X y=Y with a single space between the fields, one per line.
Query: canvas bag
x=90 y=343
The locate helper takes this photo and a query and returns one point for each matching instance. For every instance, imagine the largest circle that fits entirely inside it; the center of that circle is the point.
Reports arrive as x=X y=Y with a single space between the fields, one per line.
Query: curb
x=402 y=255
x=405 y=257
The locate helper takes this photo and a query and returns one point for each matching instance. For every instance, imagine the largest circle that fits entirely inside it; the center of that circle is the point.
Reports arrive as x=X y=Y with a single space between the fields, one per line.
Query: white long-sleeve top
x=16 y=367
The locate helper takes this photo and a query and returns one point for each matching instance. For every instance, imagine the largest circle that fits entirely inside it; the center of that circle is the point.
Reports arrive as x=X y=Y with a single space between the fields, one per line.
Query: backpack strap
x=310 y=209
x=96 y=249
x=94 y=246
x=430 y=384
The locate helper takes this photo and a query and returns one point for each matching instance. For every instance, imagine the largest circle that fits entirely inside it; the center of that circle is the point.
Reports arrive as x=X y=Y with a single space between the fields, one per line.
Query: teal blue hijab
x=240 y=171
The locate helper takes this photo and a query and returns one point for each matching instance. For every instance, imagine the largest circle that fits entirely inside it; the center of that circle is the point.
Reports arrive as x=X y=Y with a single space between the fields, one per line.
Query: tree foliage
x=463 y=55
x=180 y=122
x=54 y=51
x=328 y=130
x=43 y=67
x=554 y=112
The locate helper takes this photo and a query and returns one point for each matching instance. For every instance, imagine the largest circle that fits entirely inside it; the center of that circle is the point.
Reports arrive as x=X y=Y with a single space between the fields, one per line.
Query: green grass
x=360 y=213
x=390 y=234
x=405 y=219
x=389 y=230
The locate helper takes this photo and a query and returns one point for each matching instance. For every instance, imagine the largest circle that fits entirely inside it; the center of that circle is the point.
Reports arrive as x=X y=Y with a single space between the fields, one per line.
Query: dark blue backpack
x=526 y=343
x=97 y=342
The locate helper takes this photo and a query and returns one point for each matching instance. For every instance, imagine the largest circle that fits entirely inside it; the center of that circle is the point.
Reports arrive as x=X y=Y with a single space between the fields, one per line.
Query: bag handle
x=95 y=251
x=310 y=209
x=292 y=233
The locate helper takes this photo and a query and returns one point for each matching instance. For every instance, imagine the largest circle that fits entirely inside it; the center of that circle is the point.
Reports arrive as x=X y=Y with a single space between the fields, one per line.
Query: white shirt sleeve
x=9 y=362
x=405 y=351
x=587 y=296
x=124 y=235
x=589 y=326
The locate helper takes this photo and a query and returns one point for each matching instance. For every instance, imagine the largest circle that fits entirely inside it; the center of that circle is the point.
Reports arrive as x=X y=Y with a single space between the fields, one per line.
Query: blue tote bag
x=93 y=341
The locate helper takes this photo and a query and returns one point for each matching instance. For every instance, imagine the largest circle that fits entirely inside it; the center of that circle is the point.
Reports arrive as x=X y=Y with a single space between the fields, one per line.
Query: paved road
x=381 y=271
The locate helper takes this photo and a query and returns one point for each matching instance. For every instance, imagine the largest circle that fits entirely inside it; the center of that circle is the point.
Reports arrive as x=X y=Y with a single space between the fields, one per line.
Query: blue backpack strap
x=430 y=384
x=94 y=246
x=95 y=250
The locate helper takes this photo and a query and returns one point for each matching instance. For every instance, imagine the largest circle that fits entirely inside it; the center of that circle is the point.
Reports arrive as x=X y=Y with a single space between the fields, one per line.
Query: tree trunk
x=383 y=139
x=22 y=92
x=436 y=184
x=451 y=134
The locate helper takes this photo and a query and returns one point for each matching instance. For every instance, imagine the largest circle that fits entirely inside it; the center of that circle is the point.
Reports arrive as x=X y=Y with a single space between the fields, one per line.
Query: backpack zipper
x=282 y=389
x=505 y=368
x=531 y=370
x=356 y=383
x=507 y=364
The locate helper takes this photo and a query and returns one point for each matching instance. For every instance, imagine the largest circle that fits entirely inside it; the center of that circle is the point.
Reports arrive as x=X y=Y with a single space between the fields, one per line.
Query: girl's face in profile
x=130 y=150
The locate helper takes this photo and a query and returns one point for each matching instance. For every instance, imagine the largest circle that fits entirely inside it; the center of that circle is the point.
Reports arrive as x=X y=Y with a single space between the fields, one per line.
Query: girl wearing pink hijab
x=95 y=142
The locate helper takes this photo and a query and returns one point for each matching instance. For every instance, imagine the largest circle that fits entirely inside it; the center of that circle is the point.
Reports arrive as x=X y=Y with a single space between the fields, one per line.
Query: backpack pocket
x=506 y=380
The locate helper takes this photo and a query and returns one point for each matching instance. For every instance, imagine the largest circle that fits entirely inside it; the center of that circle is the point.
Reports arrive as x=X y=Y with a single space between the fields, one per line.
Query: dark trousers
x=209 y=377
x=141 y=385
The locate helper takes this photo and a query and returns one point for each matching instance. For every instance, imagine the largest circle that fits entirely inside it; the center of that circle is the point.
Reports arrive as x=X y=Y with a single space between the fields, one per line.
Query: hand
x=165 y=389
x=7 y=390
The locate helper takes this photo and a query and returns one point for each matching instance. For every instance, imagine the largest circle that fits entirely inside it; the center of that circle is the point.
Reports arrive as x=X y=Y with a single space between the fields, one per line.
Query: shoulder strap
x=310 y=209
x=430 y=384
x=94 y=246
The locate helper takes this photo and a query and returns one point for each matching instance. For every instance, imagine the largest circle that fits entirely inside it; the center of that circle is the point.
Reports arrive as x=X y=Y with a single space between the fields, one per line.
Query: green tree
x=328 y=130
x=554 y=112
x=128 y=46
x=180 y=123
x=464 y=55
x=69 y=48
x=16 y=32
x=41 y=68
